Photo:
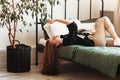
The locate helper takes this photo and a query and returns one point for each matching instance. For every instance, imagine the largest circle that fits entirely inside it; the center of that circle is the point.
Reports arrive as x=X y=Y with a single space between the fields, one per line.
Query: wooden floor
x=68 y=71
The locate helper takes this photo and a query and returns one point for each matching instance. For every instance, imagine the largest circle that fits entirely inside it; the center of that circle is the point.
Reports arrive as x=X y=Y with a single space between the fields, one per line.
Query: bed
x=104 y=59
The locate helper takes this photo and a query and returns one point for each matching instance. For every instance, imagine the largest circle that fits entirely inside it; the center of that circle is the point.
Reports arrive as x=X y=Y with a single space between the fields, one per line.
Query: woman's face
x=56 y=40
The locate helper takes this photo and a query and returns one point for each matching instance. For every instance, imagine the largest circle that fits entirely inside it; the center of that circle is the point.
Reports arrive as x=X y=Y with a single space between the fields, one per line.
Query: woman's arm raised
x=59 y=20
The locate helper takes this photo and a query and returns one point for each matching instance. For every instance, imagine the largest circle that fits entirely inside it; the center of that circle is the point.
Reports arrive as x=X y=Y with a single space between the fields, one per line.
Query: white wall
x=110 y=5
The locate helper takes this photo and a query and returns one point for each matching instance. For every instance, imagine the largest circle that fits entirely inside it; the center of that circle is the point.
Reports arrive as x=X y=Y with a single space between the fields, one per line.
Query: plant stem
x=14 y=34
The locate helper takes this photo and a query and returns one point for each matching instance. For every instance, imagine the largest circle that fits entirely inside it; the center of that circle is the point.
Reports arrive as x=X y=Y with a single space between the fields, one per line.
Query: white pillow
x=56 y=28
x=87 y=26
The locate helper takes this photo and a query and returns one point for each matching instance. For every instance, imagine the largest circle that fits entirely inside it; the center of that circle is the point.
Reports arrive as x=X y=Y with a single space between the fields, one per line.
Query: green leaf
x=24 y=23
x=58 y=2
x=32 y=14
x=26 y=12
x=20 y=30
x=27 y=30
x=13 y=16
x=21 y=17
x=18 y=16
x=30 y=24
x=2 y=1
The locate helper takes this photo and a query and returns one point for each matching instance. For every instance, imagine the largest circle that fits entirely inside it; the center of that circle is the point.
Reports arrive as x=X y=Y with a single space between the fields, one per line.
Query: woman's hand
x=51 y=21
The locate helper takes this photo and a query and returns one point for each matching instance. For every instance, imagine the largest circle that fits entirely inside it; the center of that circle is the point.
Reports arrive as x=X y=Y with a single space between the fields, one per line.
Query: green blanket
x=104 y=59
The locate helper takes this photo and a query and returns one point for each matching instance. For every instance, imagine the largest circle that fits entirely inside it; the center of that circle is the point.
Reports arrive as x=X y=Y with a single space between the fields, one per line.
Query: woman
x=98 y=38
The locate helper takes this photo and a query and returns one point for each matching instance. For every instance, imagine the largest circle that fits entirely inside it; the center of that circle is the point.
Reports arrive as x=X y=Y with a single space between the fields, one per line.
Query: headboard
x=78 y=8
x=39 y=47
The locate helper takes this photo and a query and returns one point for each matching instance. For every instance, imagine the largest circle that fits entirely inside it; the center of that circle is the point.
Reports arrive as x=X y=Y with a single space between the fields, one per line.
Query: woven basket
x=18 y=59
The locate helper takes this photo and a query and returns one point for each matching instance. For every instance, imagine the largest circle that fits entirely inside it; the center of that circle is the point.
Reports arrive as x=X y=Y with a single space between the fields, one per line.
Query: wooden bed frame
x=65 y=3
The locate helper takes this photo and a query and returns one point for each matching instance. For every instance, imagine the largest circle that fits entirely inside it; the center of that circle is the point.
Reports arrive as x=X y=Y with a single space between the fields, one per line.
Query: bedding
x=103 y=59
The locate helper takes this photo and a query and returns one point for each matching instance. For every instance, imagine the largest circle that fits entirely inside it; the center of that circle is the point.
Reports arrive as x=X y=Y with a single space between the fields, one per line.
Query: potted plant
x=11 y=13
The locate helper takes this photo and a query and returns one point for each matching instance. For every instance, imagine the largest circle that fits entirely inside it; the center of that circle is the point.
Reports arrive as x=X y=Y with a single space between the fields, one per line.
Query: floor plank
x=67 y=71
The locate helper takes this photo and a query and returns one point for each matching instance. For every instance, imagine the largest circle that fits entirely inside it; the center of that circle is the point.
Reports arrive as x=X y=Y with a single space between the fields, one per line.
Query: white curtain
x=117 y=17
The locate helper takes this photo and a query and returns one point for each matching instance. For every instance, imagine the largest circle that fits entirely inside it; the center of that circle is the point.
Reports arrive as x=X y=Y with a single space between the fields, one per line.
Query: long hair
x=50 y=61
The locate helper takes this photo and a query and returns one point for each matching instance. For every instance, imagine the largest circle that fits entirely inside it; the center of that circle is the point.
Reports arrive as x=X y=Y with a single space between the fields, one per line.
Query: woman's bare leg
x=103 y=25
x=110 y=28
x=99 y=36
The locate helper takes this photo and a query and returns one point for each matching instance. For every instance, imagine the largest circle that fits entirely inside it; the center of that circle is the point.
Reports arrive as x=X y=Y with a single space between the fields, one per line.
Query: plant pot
x=18 y=59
